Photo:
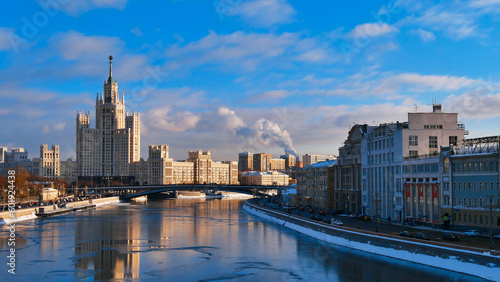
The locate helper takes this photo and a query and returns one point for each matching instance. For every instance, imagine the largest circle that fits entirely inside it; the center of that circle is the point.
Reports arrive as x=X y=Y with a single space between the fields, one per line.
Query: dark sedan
x=422 y=236
x=406 y=234
x=451 y=236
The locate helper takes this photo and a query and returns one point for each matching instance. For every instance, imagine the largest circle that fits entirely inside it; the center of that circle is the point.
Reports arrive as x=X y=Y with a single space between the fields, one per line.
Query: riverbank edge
x=476 y=264
x=27 y=214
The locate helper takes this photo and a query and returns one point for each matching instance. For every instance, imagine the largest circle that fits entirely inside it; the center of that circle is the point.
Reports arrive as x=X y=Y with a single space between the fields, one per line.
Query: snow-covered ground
x=492 y=272
x=17 y=219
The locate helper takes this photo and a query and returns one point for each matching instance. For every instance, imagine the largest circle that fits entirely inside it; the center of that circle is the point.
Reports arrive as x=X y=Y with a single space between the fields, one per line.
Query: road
x=395 y=228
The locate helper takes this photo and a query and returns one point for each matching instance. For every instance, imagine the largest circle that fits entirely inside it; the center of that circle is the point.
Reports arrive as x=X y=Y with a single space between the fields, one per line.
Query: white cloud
x=372 y=30
x=5 y=38
x=77 y=7
x=425 y=36
x=164 y=119
x=246 y=51
x=261 y=13
x=420 y=82
x=75 y=45
x=137 y=31
x=272 y=94
x=456 y=21
x=475 y=104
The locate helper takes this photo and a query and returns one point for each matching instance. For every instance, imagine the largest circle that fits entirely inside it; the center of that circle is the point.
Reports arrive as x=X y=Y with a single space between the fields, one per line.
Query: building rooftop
x=322 y=164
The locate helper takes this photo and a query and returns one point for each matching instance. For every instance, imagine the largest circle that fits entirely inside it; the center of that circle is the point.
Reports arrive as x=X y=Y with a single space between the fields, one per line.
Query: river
x=190 y=240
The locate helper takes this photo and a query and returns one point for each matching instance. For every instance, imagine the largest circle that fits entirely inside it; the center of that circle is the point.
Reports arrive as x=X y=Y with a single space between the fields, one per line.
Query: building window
x=433 y=142
x=414 y=154
x=413 y=140
x=453 y=140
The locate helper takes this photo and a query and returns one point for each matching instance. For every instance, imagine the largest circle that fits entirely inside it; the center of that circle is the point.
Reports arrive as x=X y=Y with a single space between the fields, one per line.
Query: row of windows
x=475 y=167
x=473 y=186
x=381 y=158
x=381 y=144
x=469 y=218
x=433 y=141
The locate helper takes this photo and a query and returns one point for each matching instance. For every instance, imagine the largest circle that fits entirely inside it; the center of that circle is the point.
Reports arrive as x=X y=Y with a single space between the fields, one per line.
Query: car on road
x=327 y=220
x=450 y=236
x=315 y=217
x=312 y=211
x=338 y=223
x=472 y=233
x=302 y=209
x=422 y=236
x=406 y=234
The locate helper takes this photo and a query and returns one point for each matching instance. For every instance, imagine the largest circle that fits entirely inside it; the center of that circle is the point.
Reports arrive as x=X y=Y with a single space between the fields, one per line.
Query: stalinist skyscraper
x=111 y=147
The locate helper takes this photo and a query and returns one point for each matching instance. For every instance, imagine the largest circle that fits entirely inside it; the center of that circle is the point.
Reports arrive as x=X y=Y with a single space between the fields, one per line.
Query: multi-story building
x=278 y=164
x=15 y=158
x=384 y=148
x=346 y=172
x=49 y=163
x=199 y=168
x=69 y=171
x=109 y=149
x=265 y=178
x=309 y=159
x=262 y=162
x=312 y=185
x=245 y=161
x=470 y=180
x=289 y=160
x=422 y=190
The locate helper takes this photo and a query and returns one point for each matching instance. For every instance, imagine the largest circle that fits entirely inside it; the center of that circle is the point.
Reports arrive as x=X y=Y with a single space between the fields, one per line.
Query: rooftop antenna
x=416 y=107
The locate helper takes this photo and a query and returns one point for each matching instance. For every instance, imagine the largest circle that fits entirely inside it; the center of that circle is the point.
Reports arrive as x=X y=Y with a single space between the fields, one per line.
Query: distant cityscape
x=422 y=169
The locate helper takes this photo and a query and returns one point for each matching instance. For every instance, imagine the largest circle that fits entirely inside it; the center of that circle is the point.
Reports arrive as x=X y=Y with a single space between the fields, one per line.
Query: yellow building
x=265 y=178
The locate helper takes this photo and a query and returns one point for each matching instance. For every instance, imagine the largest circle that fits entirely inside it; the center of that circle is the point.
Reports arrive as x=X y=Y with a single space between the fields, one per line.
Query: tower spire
x=110 y=78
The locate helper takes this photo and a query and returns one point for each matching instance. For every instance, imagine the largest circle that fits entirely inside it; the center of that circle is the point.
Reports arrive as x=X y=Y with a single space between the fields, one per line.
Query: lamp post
x=377 y=202
x=491 y=206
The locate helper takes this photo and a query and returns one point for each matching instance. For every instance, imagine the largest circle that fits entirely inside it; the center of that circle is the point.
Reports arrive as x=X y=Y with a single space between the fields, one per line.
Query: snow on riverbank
x=492 y=273
x=17 y=219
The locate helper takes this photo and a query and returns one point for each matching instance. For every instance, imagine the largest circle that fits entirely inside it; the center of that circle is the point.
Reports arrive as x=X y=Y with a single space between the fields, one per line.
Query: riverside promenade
x=475 y=261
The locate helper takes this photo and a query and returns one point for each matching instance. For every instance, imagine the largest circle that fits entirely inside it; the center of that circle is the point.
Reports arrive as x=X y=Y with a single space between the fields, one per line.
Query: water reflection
x=195 y=240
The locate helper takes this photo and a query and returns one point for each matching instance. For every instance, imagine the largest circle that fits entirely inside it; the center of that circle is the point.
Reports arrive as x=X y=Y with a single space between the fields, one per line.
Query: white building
x=110 y=148
x=48 y=165
x=309 y=159
x=265 y=178
x=385 y=147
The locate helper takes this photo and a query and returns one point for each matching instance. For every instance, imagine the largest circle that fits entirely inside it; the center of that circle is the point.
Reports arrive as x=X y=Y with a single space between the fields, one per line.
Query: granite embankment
x=472 y=261
x=29 y=213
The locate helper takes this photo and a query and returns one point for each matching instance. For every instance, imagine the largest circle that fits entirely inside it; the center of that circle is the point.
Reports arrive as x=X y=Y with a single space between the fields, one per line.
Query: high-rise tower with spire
x=114 y=143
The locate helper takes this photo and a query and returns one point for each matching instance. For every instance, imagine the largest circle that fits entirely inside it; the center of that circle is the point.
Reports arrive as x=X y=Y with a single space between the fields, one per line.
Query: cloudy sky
x=256 y=75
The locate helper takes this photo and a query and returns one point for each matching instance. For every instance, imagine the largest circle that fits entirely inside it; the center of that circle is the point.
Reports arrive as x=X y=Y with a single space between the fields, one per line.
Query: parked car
x=352 y=215
x=406 y=234
x=327 y=220
x=312 y=211
x=315 y=217
x=450 y=236
x=302 y=209
x=496 y=236
x=367 y=218
x=422 y=236
x=338 y=223
x=472 y=233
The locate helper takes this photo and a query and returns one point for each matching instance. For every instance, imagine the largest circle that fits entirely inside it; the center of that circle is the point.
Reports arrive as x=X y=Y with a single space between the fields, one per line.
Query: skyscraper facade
x=109 y=148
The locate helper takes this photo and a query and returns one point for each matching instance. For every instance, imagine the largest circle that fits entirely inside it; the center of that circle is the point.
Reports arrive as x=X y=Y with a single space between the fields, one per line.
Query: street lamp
x=491 y=206
x=377 y=201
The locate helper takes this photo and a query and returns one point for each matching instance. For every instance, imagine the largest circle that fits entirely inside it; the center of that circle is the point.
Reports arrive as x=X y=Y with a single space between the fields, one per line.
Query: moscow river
x=190 y=240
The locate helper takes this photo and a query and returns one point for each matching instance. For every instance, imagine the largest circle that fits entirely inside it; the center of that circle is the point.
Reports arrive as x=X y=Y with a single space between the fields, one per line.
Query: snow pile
x=17 y=219
x=453 y=264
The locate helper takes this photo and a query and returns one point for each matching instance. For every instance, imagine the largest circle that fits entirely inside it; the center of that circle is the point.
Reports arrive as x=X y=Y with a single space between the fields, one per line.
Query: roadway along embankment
x=472 y=261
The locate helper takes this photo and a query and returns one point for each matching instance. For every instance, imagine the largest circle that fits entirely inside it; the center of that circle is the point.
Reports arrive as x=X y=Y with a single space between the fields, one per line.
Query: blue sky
x=256 y=75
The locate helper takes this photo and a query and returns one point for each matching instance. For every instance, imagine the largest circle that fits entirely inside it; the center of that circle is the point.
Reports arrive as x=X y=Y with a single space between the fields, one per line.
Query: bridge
x=130 y=192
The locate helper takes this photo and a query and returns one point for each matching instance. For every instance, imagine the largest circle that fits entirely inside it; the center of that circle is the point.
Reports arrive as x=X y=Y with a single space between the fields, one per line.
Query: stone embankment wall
x=478 y=262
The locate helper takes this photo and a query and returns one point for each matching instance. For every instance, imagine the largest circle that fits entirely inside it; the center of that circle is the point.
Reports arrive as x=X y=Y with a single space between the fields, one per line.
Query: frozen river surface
x=190 y=240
